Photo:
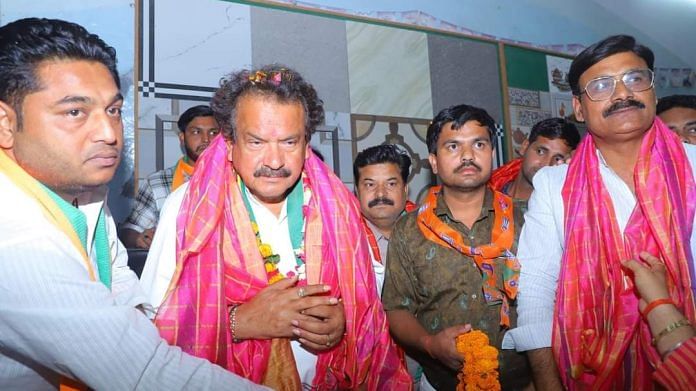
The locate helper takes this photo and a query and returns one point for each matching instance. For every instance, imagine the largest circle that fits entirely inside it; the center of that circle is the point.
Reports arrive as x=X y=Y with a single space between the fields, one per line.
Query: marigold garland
x=480 y=369
x=270 y=260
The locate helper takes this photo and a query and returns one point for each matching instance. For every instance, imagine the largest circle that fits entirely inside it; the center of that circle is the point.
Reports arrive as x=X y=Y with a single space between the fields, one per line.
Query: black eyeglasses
x=602 y=88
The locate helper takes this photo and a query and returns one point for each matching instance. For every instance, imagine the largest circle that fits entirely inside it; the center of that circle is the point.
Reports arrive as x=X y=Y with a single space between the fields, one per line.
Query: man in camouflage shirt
x=438 y=285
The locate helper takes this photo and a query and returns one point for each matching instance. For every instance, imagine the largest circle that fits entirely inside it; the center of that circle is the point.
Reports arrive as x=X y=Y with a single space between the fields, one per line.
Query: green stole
x=295 y=203
x=78 y=220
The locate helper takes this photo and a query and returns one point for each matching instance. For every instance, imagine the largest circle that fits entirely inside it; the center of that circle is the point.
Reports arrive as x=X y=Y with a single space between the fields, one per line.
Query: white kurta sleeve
x=161 y=258
x=54 y=319
x=539 y=252
x=125 y=285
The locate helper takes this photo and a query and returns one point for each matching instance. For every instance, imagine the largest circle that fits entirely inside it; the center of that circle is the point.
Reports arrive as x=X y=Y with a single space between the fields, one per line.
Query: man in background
x=550 y=143
x=678 y=112
x=197 y=127
x=381 y=184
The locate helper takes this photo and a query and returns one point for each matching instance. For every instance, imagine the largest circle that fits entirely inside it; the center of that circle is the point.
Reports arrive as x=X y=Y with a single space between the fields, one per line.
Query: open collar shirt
x=541 y=249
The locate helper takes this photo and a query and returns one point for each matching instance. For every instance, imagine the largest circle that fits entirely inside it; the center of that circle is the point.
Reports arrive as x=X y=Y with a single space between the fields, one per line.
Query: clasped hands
x=284 y=310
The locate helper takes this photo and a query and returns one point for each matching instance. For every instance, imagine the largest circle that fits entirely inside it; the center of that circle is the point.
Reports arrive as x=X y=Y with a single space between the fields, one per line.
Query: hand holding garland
x=407 y=331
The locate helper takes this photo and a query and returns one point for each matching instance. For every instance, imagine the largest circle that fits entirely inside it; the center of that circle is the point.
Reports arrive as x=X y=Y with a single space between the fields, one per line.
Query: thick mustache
x=467 y=164
x=270 y=173
x=380 y=200
x=622 y=104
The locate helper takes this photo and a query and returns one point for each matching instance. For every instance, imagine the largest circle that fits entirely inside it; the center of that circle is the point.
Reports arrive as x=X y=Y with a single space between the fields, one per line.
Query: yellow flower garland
x=270 y=260
x=480 y=369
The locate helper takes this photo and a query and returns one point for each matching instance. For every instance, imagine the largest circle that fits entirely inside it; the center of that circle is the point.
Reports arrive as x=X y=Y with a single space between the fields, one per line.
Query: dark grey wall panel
x=314 y=46
x=465 y=71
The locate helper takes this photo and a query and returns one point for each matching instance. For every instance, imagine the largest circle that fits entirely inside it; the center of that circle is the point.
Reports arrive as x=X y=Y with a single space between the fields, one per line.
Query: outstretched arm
x=53 y=316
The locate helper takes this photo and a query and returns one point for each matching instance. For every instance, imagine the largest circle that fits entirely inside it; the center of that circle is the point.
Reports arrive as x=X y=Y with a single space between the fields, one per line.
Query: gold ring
x=328 y=340
x=301 y=292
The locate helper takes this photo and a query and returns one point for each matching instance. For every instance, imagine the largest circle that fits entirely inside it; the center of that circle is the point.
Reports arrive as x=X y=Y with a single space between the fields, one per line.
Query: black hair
x=192 y=113
x=384 y=153
x=26 y=43
x=275 y=81
x=554 y=128
x=603 y=49
x=672 y=101
x=458 y=115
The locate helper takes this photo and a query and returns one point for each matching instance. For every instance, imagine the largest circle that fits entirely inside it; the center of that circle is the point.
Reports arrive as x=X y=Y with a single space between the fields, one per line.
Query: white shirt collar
x=257 y=206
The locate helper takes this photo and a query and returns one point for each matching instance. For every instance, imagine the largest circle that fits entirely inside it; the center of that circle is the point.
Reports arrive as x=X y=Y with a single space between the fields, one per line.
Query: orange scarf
x=599 y=338
x=182 y=172
x=494 y=291
x=505 y=174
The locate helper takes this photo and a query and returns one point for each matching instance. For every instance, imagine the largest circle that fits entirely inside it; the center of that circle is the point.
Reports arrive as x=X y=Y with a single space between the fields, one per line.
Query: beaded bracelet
x=653 y=304
x=681 y=323
x=233 y=322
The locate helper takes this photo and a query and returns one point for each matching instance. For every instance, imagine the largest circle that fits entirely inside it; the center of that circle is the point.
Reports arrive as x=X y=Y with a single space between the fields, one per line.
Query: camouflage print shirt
x=442 y=288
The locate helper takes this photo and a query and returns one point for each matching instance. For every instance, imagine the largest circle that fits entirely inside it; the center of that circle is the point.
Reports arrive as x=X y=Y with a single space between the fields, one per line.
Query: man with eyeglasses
x=629 y=188
x=679 y=113
x=197 y=127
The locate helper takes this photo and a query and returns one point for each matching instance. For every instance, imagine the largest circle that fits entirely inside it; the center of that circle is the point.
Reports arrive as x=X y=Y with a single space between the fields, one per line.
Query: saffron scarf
x=372 y=240
x=219 y=264
x=505 y=174
x=33 y=189
x=599 y=338
x=502 y=238
x=182 y=172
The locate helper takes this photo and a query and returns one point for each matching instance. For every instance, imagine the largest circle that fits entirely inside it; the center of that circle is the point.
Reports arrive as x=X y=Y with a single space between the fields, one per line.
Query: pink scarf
x=599 y=337
x=218 y=263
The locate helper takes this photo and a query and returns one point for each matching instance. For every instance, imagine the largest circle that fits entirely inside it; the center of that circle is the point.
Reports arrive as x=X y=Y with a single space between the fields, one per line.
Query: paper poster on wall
x=661 y=78
x=562 y=106
x=522 y=97
x=522 y=119
x=675 y=78
x=687 y=78
x=557 y=72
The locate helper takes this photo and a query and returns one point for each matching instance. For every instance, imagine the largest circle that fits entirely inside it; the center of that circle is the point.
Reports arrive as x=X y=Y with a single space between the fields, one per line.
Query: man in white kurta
x=612 y=83
x=54 y=320
x=161 y=261
x=68 y=301
x=541 y=249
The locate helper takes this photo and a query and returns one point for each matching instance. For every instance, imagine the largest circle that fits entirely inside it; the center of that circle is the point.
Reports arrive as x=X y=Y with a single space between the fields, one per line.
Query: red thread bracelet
x=651 y=306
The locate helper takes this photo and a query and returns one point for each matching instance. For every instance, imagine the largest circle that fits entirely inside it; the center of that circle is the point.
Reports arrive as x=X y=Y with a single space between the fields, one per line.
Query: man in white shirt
x=68 y=300
x=259 y=260
x=629 y=188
